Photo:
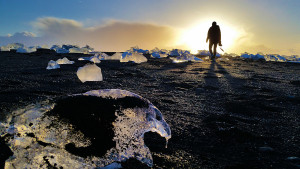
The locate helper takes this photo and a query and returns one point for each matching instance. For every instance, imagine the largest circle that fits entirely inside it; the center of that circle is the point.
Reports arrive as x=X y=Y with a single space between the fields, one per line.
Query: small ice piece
x=64 y=61
x=104 y=56
x=27 y=49
x=95 y=59
x=138 y=50
x=185 y=57
x=52 y=65
x=89 y=72
x=133 y=57
x=116 y=56
x=175 y=52
x=84 y=58
x=155 y=55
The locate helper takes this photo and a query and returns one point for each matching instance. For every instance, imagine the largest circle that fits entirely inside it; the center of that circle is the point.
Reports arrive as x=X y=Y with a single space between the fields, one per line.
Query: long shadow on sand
x=247 y=109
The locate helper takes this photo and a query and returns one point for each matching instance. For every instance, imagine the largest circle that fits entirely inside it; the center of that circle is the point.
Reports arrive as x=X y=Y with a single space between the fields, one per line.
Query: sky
x=267 y=26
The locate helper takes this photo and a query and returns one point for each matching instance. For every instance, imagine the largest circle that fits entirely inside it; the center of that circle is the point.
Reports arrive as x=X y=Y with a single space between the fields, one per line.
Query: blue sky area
x=268 y=23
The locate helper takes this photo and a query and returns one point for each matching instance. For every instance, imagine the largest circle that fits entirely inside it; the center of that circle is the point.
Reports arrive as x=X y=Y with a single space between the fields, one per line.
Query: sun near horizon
x=194 y=37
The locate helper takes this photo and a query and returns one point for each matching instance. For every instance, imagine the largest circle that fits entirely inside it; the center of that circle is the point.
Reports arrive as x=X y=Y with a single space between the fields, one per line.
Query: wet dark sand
x=232 y=114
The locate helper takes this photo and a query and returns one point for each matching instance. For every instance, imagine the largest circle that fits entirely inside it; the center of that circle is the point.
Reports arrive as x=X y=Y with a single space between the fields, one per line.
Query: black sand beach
x=227 y=114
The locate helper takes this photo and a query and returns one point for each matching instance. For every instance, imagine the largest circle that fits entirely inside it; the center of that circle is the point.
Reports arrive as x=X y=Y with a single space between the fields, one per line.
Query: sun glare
x=194 y=38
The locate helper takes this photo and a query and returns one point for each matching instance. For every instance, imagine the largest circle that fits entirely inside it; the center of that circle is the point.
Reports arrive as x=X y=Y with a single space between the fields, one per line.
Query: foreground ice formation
x=94 y=129
x=89 y=72
x=52 y=65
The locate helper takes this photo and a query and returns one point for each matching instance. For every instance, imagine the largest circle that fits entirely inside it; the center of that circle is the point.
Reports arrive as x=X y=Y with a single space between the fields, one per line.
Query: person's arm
x=208 y=33
x=220 y=43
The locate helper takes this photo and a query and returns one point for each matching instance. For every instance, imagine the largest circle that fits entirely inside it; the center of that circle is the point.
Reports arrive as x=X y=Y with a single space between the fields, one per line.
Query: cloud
x=112 y=36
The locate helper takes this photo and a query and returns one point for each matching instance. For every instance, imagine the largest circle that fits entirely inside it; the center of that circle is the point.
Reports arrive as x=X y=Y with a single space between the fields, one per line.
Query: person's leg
x=210 y=49
x=215 y=49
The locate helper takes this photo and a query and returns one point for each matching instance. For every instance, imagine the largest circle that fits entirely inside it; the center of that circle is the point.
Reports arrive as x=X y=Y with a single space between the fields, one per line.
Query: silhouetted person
x=214 y=37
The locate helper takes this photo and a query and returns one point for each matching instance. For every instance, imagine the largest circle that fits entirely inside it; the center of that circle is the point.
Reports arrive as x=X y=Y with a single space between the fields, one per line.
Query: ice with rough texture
x=133 y=57
x=12 y=46
x=21 y=48
x=251 y=56
x=104 y=56
x=64 y=61
x=94 y=59
x=44 y=135
x=59 y=49
x=275 y=58
x=72 y=49
x=116 y=56
x=207 y=53
x=175 y=52
x=85 y=50
x=186 y=57
x=89 y=72
x=156 y=53
x=138 y=50
x=271 y=57
x=52 y=65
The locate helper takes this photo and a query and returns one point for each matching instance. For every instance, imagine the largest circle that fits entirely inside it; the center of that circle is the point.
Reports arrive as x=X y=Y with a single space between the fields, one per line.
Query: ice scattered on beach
x=64 y=61
x=52 y=65
x=42 y=133
x=271 y=57
x=138 y=50
x=89 y=72
x=72 y=49
x=157 y=53
x=133 y=57
x=95 y=59
x=104 y=56
x=116 y=56
x=207 y=53
x=21 y=48
x=27 y=49
x=186 y=57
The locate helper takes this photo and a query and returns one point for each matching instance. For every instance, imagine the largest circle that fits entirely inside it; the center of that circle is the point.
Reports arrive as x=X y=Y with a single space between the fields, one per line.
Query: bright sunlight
x=194 y=38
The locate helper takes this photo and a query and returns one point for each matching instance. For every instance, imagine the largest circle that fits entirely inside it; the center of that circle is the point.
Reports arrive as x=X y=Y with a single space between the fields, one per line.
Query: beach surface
x=225 y=114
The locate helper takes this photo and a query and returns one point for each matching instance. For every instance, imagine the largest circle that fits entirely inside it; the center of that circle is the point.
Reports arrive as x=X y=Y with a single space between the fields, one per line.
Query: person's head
x=214 y=23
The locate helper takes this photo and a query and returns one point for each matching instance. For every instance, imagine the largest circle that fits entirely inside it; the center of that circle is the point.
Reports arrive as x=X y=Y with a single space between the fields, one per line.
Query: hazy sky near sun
x=269 y=26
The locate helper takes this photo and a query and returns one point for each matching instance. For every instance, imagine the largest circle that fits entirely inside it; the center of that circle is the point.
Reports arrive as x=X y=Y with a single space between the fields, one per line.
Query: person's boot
x=213 y=59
